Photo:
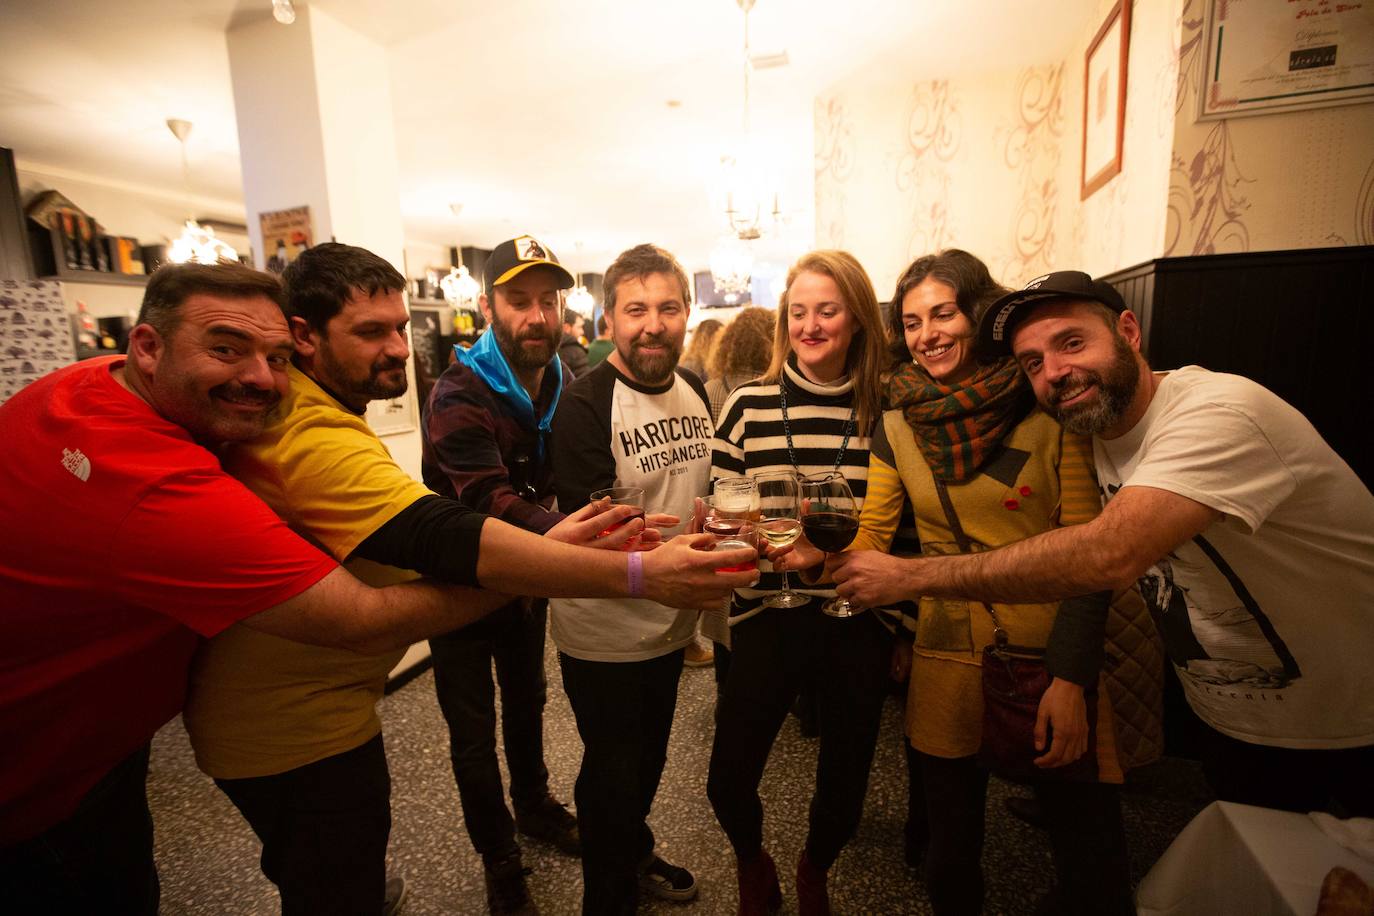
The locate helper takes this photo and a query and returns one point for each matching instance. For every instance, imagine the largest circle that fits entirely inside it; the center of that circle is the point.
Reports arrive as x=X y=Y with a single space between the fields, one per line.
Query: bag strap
x=999 y=635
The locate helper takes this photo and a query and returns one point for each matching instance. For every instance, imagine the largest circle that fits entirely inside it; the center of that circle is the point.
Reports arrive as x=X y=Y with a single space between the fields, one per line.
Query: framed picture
x=1283 y=55
x=285 y=234
x=1104 y=99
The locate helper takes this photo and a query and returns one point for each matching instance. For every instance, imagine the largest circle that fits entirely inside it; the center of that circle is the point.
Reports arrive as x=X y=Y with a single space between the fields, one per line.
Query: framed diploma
x=1281 y=55
x=1104 y=99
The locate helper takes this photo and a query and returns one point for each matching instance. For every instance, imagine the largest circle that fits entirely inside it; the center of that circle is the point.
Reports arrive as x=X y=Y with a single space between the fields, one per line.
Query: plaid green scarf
x=958 y=428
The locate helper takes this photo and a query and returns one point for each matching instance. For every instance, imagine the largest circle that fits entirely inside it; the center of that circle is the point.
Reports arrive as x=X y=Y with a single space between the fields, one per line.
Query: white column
x=313 y=105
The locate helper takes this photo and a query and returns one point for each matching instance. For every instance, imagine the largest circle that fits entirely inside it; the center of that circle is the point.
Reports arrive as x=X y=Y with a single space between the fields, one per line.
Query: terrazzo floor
x=207 y=855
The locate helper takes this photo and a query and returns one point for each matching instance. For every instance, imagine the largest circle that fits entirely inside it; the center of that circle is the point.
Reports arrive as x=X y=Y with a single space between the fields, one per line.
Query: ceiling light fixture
x=459 y=288
x=732 y=265
x=196 y=243
x=743 y=177
x=283 y=11
x=581 y=301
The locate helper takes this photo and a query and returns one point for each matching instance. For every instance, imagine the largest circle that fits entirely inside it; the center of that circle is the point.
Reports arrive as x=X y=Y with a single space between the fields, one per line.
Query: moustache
x=1074 y=381
x=387 y=365
x=233 y=391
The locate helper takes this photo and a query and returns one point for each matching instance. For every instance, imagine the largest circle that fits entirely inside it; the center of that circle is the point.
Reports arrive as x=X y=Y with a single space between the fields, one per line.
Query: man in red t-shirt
x=123 y=543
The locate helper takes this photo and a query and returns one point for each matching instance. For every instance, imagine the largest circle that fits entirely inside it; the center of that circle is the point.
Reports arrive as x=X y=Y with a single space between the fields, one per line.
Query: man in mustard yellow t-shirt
x=288 y=731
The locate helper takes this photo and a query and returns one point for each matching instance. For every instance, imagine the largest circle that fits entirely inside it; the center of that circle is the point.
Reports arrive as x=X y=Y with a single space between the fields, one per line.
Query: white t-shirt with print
x=612 y=431
x=1268 y=615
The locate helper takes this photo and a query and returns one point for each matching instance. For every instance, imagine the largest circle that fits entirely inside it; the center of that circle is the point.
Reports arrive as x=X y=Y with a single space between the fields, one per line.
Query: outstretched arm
x=1137 y=527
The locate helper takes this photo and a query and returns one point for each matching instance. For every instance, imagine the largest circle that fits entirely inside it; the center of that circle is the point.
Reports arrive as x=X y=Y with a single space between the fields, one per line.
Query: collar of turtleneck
x=840 y=386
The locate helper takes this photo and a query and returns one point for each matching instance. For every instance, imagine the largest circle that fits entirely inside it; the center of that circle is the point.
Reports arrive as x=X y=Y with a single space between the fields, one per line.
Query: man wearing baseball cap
x=1252 y=541
x=485 y=431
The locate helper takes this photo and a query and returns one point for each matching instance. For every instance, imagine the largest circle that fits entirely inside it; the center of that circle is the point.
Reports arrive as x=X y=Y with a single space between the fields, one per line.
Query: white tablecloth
x=1243 y=860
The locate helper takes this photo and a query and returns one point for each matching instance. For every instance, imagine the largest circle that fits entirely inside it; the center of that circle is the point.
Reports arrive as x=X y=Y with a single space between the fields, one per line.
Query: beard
x=1116 y=386
x=372 y=387
x=521 y=357
x=652 y=369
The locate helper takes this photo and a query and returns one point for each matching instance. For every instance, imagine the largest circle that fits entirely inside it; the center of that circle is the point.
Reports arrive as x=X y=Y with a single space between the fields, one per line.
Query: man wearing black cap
x=486 y=444
x=1252 y=541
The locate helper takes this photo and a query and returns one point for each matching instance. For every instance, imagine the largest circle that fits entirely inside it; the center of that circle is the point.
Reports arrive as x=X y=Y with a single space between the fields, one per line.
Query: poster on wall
x=36 y=333
x=1282 y=55
x=1104 y=99
x=285 y=234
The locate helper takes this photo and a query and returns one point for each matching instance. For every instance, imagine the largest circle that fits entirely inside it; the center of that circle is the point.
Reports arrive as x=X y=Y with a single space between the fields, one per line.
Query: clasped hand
x=602 y=525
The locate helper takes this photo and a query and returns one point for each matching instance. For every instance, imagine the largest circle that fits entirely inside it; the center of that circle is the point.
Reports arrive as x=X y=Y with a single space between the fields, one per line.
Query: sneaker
x=667 y=882
x=551 y=821
x=395 y=896
x=506 y=890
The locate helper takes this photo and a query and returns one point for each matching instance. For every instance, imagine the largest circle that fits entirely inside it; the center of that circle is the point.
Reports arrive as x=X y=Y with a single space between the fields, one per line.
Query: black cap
x=520 y=254
x=994 y=331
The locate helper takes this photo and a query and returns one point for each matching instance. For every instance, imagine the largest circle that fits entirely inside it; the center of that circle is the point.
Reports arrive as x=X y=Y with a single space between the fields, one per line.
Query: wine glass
x=780 y=524
x=830 y=519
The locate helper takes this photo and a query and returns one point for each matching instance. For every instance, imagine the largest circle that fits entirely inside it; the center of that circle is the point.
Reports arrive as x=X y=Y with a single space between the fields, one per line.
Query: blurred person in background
x=699 y=347
x=740 y=353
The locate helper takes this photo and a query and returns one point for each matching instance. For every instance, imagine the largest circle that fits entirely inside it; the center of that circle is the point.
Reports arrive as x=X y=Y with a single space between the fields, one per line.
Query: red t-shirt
x=121 y=544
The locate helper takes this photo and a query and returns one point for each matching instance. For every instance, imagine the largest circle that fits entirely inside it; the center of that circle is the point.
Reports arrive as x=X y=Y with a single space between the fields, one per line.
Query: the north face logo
x=77 y=463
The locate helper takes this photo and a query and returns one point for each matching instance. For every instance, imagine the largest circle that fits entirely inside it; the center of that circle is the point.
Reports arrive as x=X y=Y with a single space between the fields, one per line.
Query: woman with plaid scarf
x=984 y=467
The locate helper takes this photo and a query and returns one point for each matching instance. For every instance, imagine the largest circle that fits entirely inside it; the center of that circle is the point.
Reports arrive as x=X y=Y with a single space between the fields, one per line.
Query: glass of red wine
x=830 y=521
x=623 y=496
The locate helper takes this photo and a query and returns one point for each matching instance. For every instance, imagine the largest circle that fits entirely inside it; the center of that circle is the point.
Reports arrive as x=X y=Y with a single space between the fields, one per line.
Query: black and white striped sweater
x=751 y=439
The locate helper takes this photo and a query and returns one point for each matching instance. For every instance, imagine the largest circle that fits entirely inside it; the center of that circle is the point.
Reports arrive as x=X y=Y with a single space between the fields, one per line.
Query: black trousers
x=1291 y=779
x=624 y=713
x=513 y=639
x=99 y=860
x=774 y=656
x=1084 y=819
x=324 y=828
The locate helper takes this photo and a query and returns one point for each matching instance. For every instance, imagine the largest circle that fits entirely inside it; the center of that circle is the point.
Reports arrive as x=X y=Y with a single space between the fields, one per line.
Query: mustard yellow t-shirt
x=258 y=704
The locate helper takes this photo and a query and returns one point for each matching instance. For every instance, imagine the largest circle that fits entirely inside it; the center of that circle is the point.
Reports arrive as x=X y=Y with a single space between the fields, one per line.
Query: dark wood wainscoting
x=1300 y=322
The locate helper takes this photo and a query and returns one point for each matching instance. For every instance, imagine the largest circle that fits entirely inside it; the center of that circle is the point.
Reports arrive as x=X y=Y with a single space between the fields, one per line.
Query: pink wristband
x=636 y=572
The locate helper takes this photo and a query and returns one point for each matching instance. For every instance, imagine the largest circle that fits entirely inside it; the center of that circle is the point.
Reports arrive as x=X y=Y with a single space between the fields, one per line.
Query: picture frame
x=1104 y=99
x=1263 y=58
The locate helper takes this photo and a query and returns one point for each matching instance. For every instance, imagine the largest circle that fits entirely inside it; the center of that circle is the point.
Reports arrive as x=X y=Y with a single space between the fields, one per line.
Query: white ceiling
x=536 y=115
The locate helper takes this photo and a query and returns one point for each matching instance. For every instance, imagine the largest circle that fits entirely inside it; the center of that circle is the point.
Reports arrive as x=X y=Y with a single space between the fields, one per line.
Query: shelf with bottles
x=68 y=244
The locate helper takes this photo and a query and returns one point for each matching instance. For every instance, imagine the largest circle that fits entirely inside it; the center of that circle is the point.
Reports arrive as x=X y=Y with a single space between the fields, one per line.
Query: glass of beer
x=623 y=496
x=735 y=497
x=830 y=520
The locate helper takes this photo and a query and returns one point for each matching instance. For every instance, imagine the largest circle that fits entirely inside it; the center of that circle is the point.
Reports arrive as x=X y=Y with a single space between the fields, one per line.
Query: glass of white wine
x=780 y=524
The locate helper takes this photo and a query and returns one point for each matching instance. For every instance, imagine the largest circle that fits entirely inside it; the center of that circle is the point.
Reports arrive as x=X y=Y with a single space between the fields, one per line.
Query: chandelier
x=744 y=181
x=580 y=300
x=196 y=243
x=732 y=265
x=459 y=288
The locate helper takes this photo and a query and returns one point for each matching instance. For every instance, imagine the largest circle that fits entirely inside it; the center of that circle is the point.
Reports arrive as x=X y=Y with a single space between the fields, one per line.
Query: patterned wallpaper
x=992 y=163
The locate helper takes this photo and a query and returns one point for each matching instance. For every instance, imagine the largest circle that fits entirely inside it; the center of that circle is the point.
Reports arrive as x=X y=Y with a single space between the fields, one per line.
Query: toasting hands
x=683 y=572
x=870 y=578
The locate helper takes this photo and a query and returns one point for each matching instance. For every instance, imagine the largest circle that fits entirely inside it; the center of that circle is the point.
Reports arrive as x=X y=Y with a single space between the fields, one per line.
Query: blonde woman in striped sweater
x=812 y=412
